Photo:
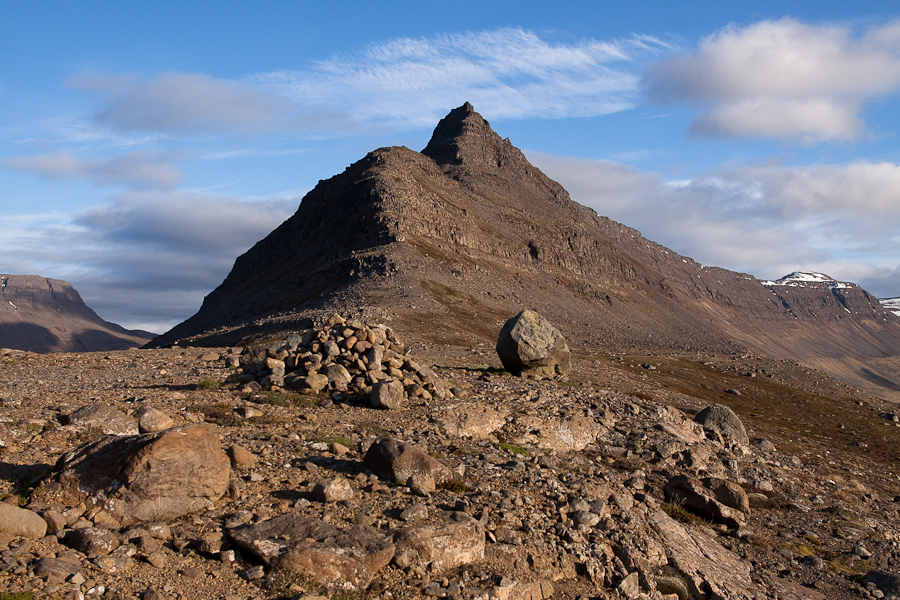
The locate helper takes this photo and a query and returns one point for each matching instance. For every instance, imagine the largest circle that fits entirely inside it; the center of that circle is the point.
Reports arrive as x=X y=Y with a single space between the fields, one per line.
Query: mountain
x=48 y=315
x=447 y=243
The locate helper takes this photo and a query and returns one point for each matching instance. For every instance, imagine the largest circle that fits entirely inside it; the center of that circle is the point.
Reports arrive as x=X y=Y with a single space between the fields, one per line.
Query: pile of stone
x=345 y=356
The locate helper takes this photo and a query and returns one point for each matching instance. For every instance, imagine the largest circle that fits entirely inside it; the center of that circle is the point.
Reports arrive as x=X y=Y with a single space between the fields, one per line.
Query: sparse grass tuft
x=682 y=515
x=220 y=414
x=209 y=384
x=507 y=447
x=16 y=595
x=457 y=486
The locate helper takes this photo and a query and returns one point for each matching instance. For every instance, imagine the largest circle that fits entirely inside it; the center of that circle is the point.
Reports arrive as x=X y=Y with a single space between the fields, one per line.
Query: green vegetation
x=16 y=595
x=507 y=447
x=209 y=384
x=288 y=399
x=682 y=515
x=457 y=486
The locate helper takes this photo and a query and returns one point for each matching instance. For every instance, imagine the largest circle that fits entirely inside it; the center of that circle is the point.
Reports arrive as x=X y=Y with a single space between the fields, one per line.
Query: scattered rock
x=456 y=540
x=151 y=420
x=334 y=489
x=388 y=395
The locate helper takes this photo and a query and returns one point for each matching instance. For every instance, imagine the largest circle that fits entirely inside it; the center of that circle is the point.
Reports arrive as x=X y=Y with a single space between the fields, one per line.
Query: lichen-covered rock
x=529 y=345
x=104 y=419
x=388 y=395
x=457 y=539
x=309 y=547
x=153 y=476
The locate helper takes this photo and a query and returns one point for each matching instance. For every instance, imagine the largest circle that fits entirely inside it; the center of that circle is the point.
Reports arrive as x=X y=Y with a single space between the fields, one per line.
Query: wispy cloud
x=768 y=220
x=782 y=79
x=405 y=82
x=139 y=168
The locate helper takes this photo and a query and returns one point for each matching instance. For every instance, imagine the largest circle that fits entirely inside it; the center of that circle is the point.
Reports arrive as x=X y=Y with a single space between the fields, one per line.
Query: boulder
x=21 y=522
x=397 y=461
x=388 y=395
x=333 y=489
x=153 y=476
x=105 y=419
x=347 y=559
x=720 y=419
x=457 y=539
x=151 y=420
x=886 y=581
x=529 y=345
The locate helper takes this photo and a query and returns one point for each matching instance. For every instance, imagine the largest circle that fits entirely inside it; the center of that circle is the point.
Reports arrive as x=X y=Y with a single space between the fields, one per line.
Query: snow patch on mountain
x=891 y=304
x=805 y=278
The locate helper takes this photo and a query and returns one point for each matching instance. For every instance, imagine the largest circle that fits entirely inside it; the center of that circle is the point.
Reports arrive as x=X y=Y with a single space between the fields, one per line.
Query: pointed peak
x=457 y=133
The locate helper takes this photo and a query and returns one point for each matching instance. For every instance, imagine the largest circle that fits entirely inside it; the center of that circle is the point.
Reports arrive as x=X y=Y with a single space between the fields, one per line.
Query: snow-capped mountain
x=891 y=304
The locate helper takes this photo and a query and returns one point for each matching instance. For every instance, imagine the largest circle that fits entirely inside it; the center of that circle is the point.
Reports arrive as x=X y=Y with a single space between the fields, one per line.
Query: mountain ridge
x=40 y=314
x=449 y=242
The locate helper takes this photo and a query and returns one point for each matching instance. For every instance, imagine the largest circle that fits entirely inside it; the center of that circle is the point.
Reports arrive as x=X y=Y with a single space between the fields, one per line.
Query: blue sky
x=145 y=145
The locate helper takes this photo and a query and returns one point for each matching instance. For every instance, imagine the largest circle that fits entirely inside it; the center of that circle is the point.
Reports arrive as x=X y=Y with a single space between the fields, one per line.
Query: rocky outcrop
x=47 y=315
x=149 y=477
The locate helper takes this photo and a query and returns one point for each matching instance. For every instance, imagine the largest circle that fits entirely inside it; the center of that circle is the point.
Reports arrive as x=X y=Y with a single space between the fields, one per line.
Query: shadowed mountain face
x=47 y=315
x=446 y=244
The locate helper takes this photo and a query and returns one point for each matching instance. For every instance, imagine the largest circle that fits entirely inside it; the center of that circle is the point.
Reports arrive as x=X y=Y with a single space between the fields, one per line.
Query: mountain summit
x=447 y=243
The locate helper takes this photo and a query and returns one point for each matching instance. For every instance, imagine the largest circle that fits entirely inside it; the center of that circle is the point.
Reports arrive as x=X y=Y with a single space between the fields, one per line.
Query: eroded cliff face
x=448 y=243
x=39 y=314
x=810 y=296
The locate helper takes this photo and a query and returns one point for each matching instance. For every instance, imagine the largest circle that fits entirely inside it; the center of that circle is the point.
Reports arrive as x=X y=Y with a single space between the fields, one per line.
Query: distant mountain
x=47 y=315
x=447 y=243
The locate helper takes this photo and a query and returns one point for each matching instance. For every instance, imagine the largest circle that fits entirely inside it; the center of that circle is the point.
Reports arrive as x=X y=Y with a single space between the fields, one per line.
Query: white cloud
x=767 y=220
x=782 y=79
x=139 y=168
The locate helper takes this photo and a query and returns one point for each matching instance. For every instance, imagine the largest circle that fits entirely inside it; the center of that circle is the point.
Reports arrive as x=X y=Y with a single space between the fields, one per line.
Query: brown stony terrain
x=48 y=315
x=570 y=488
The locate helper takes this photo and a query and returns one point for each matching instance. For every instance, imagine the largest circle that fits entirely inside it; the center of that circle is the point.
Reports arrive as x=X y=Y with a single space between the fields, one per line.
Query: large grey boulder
x=720 y=419
x=149 y=477
x=529 y=345
x=345 y=558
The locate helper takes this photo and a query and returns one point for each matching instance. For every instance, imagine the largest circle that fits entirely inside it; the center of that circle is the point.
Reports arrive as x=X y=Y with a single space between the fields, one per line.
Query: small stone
x=241 y=458
x=334 y=489
x=21 y=522
x=152 y=420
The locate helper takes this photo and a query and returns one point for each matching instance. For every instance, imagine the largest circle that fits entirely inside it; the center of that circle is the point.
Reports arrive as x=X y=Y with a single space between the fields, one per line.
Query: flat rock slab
x=457 y=539
x=150 y=477
x=710 y=570
x=311 y=547
x=104 y=418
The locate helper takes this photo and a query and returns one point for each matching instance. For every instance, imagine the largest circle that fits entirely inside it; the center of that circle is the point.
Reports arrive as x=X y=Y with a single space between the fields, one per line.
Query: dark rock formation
x=447 y=244
x=47 y=315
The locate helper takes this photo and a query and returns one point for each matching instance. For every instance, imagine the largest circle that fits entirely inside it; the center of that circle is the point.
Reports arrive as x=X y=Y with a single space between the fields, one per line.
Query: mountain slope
x=448 y=243
x=48 y=315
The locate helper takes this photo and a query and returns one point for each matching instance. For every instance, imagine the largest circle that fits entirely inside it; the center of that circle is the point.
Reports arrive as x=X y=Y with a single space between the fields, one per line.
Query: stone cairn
x=345 y=357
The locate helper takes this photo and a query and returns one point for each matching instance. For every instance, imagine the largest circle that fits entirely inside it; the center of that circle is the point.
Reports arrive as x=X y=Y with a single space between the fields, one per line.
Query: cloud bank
x=146 y=258
x=781 y=79
x=138 y=169
x=767 y=220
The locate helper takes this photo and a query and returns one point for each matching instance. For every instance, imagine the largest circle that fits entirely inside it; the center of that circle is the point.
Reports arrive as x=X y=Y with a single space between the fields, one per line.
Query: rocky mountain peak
x=465 y=138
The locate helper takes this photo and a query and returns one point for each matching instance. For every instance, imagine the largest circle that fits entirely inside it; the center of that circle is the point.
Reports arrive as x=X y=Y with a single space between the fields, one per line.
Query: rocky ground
x=517 y=488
